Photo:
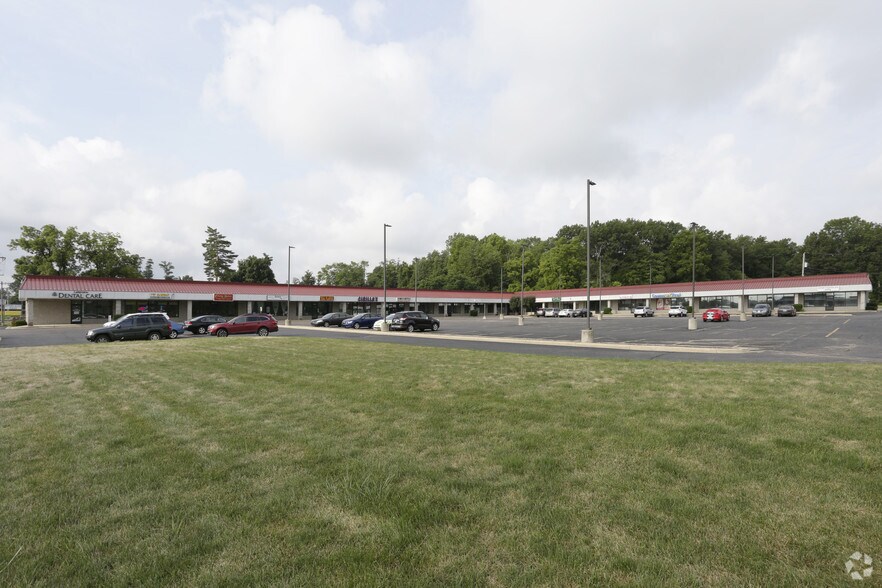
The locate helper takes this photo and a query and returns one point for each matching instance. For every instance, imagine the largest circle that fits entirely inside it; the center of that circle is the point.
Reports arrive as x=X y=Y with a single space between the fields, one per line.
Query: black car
x=580 y=312
x=413 y=320
x=147 y=326
x=332 y=319
x=199 y=325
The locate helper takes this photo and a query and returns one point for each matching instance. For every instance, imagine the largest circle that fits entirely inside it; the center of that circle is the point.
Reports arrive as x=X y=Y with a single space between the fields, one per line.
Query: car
x=332 y=319
x=761 y=310
x=150 y=326
x=581 y=312
x=678 y=310
x=540 y=312
x=643 y=311
x=261 y=324
x=388 y=319
x=551 y=312
x=199 y=325
x=413 y=320
x=568 y=312
x=786 y=310
x=715 y=315
x=125 y=316
x=177 y=329
x=363 y=320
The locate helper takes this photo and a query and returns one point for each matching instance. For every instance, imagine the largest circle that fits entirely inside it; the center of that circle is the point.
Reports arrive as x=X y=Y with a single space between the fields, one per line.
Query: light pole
x=416 y=299
x=288 y=311
x=773 y=283
x=501 y=297
x=384 y=326
x=587 y=335
x=599 y=283
x=521 y=321
x=693 y=324
x=2 y=292
x=742 y=304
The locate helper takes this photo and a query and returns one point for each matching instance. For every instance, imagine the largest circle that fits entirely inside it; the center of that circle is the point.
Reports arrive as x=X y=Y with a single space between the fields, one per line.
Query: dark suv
x=262 y=324
x=413 y=320
x=136 y=326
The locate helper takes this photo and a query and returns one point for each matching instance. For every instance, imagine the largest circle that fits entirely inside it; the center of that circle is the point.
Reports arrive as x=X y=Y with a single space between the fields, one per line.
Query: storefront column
x=188 y=310
x=29 y=313
x=299 y=309
x=117 y=307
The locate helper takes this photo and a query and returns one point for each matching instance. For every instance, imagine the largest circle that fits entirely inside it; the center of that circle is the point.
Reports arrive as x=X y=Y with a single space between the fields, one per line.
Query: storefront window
x=97 y=309
x=831 y=300
x=728 y=302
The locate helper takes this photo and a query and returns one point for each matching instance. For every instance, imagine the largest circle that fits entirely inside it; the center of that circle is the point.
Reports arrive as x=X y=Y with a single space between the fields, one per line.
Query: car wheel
x=262 y=332
x=356 y=326
x=202 y=330
x=102 y=339
x=435 y=326
x=410 y=328
x=326 y=325
x=173 y=335
x=154 y=336
x=222 y=333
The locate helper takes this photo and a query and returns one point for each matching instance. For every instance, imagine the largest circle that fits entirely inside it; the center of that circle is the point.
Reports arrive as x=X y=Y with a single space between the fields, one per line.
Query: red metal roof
x=67 y=283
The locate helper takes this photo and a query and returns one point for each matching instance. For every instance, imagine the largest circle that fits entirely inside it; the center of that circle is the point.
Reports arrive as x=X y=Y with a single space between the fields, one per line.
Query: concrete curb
x=547 y=343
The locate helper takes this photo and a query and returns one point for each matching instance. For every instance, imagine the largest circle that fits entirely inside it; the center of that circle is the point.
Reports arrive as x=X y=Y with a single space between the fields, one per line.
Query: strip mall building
x=59 y=300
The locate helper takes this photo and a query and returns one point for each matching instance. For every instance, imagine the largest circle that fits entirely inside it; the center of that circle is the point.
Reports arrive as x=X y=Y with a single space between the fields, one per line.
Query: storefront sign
x=326 y=298
x=276 y=297
x=78 y=295
x=223 y=297
x=368 y=299
x=161 y=295
x=828 y=289
x=404 y=300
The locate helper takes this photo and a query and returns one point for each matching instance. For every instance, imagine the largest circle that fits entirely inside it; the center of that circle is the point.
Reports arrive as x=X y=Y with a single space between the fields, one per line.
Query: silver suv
x=643 y=311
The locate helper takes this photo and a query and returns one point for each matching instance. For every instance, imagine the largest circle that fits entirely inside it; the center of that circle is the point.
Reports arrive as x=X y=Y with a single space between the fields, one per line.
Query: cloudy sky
x=312 y=124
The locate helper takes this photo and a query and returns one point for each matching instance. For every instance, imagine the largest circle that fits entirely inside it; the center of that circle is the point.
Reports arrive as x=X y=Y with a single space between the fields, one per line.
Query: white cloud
x=323 y=95
x=798 y=85
x=365 y=14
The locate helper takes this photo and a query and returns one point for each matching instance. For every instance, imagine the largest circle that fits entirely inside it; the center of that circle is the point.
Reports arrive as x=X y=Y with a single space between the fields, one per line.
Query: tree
x=308 y=279
x=218 y=256
x=257 y=270
x=51 y=252
x=148 y=270
x=343 y=274
x=102 y=255
x=847 y=245
x=168 y=270
x=186 y=278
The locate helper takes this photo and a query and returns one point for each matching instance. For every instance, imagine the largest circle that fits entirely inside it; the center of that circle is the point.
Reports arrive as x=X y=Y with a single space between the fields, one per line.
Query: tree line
x=627 y=252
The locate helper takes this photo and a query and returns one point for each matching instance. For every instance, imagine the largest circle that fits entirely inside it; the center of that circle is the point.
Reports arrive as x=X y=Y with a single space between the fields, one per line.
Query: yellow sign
x=326 y=298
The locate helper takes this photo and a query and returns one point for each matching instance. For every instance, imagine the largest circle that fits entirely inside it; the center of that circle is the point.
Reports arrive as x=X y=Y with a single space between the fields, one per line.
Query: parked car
x=786 y=310
x=151 y=326
x=540 y=312
x=761 y=310
x=388 y=319
x=552 y=312
x=678 y=310
x=580 y=312
x=414 y=320
x=177 y=329
x=565 y=312
x=715 y=314
x=262 y=324
x=125 y=316
x=199 y=325
x=332 y=319
x=364 y=320
x=643 y=311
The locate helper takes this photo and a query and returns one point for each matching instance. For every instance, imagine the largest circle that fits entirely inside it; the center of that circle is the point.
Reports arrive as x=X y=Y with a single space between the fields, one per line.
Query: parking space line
x=831 y=332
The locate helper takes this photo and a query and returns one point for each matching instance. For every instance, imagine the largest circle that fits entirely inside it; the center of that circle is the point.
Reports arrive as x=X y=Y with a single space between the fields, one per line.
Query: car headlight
x=89 y=334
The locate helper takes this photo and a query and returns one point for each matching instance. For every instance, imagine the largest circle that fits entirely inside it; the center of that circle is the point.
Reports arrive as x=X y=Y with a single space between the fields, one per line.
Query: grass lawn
x=312 y=462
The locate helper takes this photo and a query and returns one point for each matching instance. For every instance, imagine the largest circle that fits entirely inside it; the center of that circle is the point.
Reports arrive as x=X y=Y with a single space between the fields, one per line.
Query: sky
x=314 y=124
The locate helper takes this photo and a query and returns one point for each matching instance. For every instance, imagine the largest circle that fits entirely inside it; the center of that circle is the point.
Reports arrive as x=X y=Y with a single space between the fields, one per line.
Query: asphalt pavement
x=808 y=338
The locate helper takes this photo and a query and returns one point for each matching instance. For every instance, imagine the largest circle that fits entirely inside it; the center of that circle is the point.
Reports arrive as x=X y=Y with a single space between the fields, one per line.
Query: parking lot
x=807 y=338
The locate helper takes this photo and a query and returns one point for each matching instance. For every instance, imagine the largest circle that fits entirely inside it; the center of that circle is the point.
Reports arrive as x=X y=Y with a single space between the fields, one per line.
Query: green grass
x=312 y=462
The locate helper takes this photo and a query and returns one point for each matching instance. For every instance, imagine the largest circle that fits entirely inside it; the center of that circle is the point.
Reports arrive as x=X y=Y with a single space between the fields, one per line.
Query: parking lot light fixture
x=587 y=335
x=693 y=323
x=384 y=326
x=523 y=248
x=288 y=310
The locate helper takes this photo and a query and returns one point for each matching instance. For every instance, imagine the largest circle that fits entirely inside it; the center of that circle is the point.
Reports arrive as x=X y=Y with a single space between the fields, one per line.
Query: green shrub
x=19 y=323
x=607 y=310
x=689 y=309
x=872 y=306
x=473 y=312
x=798 y=307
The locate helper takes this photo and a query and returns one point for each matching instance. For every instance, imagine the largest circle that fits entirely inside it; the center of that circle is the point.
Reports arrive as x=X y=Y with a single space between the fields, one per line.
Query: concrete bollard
x=743 y=317
x=587 y=336
x=693 y=323
x=501 y=316
x=384 y=326
x=520 y=321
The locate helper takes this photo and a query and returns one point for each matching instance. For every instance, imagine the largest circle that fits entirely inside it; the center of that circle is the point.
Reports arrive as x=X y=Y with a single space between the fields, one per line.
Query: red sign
x=223 y=297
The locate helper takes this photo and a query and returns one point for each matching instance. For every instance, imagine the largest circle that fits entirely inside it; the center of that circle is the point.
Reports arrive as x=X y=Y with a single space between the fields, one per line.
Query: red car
x=715 y=314
x=261 y=324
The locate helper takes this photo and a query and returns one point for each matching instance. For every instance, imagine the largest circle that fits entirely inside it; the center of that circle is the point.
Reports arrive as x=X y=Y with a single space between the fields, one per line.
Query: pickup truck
x=643 y=311
x=677 y=311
